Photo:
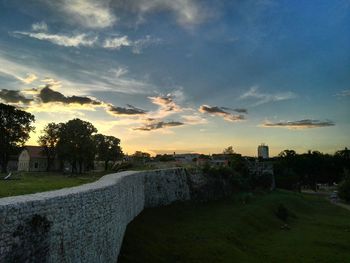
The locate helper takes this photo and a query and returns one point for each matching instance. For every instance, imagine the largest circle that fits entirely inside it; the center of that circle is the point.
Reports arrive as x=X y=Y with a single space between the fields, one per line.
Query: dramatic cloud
x=82 y=39
x=194 y=119
x=99 y=14
x=302 y=124
x=131 y=110
x=28 y=79
x=136 y=45
x=62 y=40
x=117 y=42
x=154 y=125
x=81 y=78
x=219 y=111
x=53 y=83
x=13 y=96
x=40 y=26
x=48 y=95
x=187 y=12
x=239 y=110
x=45 y=99
x=166 y=103
x=88 y=13
x=262 y=98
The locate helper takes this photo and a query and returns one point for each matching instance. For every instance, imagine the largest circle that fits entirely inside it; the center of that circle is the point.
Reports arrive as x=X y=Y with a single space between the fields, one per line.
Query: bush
x=344 y=190
x=282 y=213
x=122 y=167
x=263 y=181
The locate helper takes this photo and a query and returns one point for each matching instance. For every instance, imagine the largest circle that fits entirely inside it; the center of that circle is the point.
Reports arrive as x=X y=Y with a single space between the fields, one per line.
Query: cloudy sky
x=183 y=75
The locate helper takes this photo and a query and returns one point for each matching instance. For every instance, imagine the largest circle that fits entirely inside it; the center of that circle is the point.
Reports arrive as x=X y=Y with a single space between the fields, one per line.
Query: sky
x=181 y=76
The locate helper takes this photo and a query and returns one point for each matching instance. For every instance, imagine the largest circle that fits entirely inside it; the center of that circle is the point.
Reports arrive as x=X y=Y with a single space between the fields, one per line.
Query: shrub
x=282 y=212
x=264 y=181
x=344 y=189
x=122 y=167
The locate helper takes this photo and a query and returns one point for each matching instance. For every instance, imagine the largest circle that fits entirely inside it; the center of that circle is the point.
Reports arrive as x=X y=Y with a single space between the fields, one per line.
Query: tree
x=293 y=170
x=76 y=143
x=49 y=141
x=287 y=154
x=344 y=187
x=164 y=158
x=345 y=154
x=228 y=150
x=15 y=126
x=139 y=156
x=107 y=148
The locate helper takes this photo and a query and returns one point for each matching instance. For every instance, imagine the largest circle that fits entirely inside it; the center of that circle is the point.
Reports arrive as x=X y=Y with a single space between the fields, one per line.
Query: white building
x=263 y=151
x=32 y=159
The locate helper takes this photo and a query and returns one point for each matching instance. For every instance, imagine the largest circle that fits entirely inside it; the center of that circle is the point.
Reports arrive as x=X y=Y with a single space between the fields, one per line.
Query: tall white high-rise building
x=263 y=151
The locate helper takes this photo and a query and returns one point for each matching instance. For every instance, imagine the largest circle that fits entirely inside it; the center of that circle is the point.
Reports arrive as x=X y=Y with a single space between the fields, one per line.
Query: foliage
x=76 y=143
x=238 y=163
x=228 y=150
x=238 y=176
x=293 y=170
x=15 y=126
x=344 y=154
x=164 y=158
x=344 y=188
x=139 y=156
x=107 y=148
x=49 y=140
x=122 y=167
x=286 y=178
x=263 y=181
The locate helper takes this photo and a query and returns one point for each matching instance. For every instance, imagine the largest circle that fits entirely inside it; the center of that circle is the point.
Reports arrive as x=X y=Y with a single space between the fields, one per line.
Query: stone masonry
x=84 y=223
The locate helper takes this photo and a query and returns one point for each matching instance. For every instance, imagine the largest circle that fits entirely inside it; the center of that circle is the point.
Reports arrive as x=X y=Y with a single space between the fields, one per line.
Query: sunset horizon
x=183 y=76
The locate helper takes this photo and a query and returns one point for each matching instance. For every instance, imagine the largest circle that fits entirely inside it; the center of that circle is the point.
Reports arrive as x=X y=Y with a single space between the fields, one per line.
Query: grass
x=30 y=182
x=237 y=231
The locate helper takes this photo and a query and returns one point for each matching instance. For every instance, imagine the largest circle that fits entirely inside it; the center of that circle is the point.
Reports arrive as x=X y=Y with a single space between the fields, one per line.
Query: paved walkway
x=325 y=194
x=346 y=206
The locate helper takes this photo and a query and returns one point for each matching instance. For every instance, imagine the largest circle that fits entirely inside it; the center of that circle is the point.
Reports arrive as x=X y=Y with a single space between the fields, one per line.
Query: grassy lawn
x=231 y=231
x=28 y=183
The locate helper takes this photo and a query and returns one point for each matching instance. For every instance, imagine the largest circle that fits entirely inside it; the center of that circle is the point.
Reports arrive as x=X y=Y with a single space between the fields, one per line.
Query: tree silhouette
x=228 y=150
x=107 y=148
x=76 y=143
x=15 y=126
x=49 y=140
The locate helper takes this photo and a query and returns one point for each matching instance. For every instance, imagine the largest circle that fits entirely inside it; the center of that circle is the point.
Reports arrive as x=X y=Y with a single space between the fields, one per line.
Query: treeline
x=237 y=176
x=293 y=171
x=76 y=141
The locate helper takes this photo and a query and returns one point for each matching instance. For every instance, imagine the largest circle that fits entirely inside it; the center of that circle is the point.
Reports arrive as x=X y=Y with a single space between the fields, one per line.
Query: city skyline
x=181 y=75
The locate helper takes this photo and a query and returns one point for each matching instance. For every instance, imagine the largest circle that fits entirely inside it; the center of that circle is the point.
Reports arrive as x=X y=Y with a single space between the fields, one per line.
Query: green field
x=238 y=231
x=28 y=183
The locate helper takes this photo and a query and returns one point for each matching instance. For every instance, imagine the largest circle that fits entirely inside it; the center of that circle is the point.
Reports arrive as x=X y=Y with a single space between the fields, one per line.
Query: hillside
x=242 y=229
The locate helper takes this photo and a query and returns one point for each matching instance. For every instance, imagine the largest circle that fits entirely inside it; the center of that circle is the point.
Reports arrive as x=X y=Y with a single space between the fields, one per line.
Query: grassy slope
x=29 y=183
x=230 y=231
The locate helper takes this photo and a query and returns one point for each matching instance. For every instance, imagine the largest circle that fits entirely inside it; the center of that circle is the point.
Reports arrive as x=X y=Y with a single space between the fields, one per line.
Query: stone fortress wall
x=84 y=223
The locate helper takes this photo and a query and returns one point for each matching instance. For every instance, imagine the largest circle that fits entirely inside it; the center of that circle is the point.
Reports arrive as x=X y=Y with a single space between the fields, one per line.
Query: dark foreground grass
x=231 y=231
x=29 y=183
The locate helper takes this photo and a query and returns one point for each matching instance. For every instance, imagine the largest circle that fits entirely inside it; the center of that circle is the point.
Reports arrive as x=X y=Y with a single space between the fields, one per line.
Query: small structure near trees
x=33 y=159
